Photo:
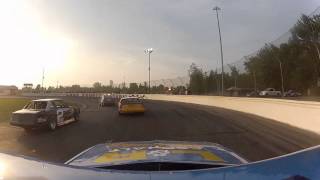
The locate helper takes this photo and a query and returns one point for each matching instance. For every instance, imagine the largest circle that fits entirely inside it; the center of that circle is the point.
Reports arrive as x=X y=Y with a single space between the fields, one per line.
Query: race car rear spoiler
x=302 y=165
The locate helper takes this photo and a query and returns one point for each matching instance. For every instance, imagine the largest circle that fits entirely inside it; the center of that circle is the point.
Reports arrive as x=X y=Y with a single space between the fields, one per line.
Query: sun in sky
x=27 y=46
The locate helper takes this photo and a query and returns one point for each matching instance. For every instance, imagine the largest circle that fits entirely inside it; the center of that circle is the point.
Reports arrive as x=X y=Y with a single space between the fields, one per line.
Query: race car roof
x=155 y=151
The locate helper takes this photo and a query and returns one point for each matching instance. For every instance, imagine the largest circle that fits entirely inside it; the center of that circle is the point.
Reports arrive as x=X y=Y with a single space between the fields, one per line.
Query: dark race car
x=107 y=100
x=45 y=113
x=157 y=160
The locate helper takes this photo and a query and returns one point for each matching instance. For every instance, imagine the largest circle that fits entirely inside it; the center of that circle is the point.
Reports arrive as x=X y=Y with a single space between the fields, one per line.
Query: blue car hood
x=155 y=151
x=302 y=165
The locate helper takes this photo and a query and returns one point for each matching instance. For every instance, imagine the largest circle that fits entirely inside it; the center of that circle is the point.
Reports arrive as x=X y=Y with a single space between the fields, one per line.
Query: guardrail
x=86 y=95
x=62 y=94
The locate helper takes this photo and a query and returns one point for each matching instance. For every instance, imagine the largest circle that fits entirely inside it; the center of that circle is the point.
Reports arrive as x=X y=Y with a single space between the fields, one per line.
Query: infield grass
x=9 y=105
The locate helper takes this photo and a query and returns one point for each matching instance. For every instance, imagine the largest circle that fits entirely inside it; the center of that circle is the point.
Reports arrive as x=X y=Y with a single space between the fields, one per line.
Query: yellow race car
x=131 y=105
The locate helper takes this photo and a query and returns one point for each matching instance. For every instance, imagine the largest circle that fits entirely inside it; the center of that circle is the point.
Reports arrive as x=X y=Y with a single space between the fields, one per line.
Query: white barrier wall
x=301 y=114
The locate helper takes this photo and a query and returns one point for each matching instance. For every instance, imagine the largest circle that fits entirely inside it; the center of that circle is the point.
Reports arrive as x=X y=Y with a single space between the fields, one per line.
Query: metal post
x=149 y=74
x=218 y=88
x=149 y=51
x=42 y=80
x=221 y=51
x=282 y=86
x=255 y=81
x=281 y=73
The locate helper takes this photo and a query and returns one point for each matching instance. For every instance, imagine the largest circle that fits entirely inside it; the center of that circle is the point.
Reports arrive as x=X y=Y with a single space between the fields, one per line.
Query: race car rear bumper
x=131 y=111
x=34 y=125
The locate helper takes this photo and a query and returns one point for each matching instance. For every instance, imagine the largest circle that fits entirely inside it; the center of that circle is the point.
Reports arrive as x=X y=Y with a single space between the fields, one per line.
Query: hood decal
x=119 y=156
x=123 y=153
x=156 y=154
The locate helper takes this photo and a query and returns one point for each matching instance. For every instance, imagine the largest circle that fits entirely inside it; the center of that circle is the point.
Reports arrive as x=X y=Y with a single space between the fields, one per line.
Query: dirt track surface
x=253 y=137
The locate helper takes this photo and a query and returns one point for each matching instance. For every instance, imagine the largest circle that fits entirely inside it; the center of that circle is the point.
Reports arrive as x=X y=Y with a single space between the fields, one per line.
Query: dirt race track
x=253 y=137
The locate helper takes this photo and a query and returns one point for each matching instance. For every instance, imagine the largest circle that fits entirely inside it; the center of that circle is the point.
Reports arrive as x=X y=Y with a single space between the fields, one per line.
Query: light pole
x=42 y=81
x=254 y=75
x=281 y=74
x=221 y=51
x=282 y=86
x=149 y=51
x=255 y=81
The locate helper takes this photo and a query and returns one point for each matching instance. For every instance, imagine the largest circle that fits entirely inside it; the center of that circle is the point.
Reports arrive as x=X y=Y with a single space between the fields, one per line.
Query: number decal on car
x=60 y=116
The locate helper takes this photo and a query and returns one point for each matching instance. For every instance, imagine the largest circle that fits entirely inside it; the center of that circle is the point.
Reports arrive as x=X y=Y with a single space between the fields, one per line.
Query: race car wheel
x=53 y=125
x=76 y=117
x=28 y=130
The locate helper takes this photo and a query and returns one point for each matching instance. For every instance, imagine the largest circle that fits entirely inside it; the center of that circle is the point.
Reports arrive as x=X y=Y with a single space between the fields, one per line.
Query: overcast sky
x=108 y=37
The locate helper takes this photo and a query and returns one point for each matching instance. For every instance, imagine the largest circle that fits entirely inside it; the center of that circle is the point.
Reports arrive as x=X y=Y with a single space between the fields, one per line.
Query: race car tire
x=52 y=125
x=76 y=117
x=28 y=129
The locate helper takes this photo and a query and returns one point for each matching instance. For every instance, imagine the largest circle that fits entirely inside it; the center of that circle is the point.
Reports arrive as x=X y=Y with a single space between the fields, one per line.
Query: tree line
x=98 y=87
x=210 y=82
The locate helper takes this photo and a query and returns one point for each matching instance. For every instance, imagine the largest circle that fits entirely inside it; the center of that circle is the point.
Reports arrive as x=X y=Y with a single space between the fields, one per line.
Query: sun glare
x=27 y=45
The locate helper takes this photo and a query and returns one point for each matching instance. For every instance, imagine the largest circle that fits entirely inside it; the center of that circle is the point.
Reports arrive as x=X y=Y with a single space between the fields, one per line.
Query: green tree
x=133 y=88
x=306 y=33
x=234 y=73
x=211 y=82
x=97 y=86
x=38 y=88
x=196 y=84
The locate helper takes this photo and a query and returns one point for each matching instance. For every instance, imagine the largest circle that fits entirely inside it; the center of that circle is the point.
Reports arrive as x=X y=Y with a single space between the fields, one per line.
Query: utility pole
x=282 y=86
x=221 y=51
x=42 y=80
x=149 y=73
x=149 y=51
x=281 y=74
x=255 y=81
x=254 y=76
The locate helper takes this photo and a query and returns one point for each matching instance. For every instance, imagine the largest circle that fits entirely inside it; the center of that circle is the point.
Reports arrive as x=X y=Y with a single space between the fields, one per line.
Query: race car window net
x=161 y=166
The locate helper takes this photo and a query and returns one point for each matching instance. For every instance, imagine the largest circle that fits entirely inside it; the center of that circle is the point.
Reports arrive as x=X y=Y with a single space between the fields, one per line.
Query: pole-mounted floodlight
x=216 y=8
x=149 y=51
